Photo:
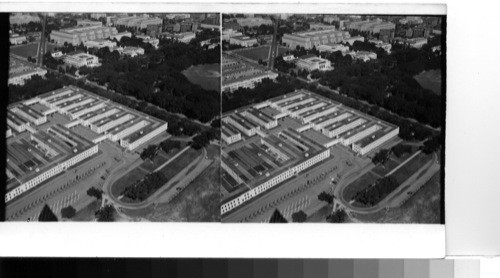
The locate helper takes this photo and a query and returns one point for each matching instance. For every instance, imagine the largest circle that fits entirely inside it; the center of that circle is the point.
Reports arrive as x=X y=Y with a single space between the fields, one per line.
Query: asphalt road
x=306 y=199
x=74 y=195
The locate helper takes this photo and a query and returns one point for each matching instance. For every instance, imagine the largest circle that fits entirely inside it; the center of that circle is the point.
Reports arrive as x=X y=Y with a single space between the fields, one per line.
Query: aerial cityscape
x=332 y=118
x=113 y=117
x=208 y=117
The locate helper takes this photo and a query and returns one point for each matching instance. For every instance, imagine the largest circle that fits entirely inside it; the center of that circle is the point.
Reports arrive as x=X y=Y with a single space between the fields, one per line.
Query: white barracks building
x=83 y=120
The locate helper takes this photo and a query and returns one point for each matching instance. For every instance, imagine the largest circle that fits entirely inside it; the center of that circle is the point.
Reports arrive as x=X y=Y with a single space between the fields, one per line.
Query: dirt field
x=200 y=201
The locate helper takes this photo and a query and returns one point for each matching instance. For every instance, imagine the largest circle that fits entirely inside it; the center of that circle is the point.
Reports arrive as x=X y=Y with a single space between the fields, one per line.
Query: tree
x=94 y=192
x=149 y=152
x=299 y=216
x=401 y=149
x=68 y=212
x=47 y=215
x=431 y=145
x=323 y=196
x=277 y=217
x=381 y=157
x=105 y=214
x=339 y=216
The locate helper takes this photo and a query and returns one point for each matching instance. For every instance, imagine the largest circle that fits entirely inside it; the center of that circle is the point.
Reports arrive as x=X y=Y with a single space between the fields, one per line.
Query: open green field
x=260 y=52
x=411 y=167
x=29 y=50
x=360 y=184
x=430 y=80
x=130 y=178
x=207 y=76
x=181 y=162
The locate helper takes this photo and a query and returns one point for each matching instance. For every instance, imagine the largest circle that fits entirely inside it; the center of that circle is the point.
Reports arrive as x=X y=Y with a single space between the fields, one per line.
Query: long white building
x=78 y=35
x=314 y=38
x=232 y=204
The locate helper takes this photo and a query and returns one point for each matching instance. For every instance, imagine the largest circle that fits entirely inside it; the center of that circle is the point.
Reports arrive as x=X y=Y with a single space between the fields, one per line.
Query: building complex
x=370 y=26
x=267 y=144
x=239 y=74
x=20 y=71
x=57 y=130
x=311 y=62
x=81 y=34
x=314 y=38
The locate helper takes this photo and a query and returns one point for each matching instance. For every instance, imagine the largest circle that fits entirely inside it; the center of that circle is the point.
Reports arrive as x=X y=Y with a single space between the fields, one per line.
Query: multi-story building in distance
x=310 y=39
x=253 y=21
x=20 y=19
x=79 y=35
x=244 y=41
x=312 y=62
x=370 y=26
x=138 y=22
x=82 y=59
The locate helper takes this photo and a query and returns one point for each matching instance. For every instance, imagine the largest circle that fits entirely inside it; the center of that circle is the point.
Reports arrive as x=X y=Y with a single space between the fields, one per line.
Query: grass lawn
x=28 y=50
x=207 y=76
x=181 y=162
x=360 y=184
x=259 y=52
x=411 y=167
x=430 y=80
x=130 y=178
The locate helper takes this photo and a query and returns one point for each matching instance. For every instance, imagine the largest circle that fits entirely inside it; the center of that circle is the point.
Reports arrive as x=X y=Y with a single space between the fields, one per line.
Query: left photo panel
x=113 y=117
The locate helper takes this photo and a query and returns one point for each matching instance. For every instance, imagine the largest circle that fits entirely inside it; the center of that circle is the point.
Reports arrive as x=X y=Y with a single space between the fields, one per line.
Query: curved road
x=394 y=198
x=156 y=195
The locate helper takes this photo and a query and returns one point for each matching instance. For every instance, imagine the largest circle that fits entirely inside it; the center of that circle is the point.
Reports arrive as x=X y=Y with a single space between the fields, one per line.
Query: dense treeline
x=203 y=139
x=388 y=82
x=34 y=86
x=375 y=193
x=145 y=187
x=157 y=78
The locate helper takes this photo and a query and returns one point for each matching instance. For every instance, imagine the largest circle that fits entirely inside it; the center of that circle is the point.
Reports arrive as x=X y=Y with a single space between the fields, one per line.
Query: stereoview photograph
x=113 y=117
x=333 y=118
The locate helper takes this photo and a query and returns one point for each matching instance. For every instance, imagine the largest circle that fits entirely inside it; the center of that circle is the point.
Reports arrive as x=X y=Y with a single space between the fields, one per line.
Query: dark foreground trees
x=277 y=217
x=381 y=157
x=299 y=216
x=94 y=192
x=323 y=196
x=375 y=193
x=47 y=215
x=339 y=216
x=68 y=212
x=145 y=187
x=105 y=214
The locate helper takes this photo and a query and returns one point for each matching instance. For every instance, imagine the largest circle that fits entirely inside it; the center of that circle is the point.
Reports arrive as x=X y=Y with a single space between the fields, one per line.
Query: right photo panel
x=333 y=118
